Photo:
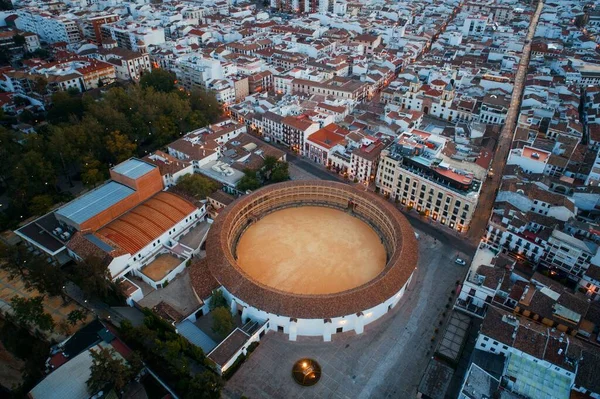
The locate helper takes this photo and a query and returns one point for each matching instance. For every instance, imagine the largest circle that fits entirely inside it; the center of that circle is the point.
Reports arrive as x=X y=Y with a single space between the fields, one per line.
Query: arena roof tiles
x=146 y=222
x=133 y=168
x=92 y=203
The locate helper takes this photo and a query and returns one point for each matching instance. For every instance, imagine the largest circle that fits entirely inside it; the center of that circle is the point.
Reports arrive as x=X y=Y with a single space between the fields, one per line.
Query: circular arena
x=314 y=258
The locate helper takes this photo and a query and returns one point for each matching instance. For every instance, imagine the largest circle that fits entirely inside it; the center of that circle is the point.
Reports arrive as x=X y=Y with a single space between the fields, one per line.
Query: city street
x=491 y=185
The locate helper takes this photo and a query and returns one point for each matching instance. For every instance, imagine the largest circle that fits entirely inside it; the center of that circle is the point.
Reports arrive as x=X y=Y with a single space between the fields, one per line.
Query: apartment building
x=296 y=130
x=494 y=109
x=414 y=172
x=91 y=25
x=133 y=36
x=338 y=87
x=364 y=161
x=195 y=71
x=570 y=254
x=129 y=65
x=49 y=27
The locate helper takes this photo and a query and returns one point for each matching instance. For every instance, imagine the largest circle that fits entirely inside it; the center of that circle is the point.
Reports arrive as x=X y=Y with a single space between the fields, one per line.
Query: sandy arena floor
x=311 y=250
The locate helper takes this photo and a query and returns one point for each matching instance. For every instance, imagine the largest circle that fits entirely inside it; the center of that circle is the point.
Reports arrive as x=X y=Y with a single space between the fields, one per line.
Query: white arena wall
x=315 y=327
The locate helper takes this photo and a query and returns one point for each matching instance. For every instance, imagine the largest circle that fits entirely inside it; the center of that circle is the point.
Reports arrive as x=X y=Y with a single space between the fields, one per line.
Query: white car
x=460 y=261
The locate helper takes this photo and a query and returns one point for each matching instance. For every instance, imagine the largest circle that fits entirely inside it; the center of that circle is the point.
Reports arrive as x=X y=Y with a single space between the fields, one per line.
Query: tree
x=280 y=173
x=206 y=385
x=270 y=163
x=206 y=103
x=92 y=277
x=249 y=181
x=13 y=260
x=61 y=149
x=108 y=371
x=46 y=278
x=75 y=316
x=64 y=105
x=6 y=5
x=196 y=186
x=40 y=204
x=31 y=311
x=10 y=150
x=217 y=300
x=32 y=176
x=119 y=146
x=92 y=173
x=19 y=39
x=159 y=79
x=222 y=321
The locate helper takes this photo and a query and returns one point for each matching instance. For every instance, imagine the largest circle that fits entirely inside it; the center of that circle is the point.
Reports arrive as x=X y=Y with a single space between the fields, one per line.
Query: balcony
x=468 y=307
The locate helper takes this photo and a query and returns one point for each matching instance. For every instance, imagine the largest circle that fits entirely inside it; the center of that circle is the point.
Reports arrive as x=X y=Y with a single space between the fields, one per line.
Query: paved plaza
x=387 y=361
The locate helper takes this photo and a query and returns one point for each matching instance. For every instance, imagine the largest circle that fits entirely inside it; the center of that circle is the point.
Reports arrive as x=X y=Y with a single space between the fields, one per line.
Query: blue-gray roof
x=133 y=168
x=196 y=336
x=90 y=204
x=98 y=242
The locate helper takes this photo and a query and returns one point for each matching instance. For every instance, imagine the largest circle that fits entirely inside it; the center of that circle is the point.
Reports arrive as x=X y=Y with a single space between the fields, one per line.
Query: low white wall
x=137 y=295
x=243 y=350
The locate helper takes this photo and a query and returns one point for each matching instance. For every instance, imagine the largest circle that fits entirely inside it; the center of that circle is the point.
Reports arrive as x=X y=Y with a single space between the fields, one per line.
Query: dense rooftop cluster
x=412 y=100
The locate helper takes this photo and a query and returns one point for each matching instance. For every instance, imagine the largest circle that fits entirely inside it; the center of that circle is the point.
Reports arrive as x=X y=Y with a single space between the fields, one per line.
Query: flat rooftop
x=161 y=266
x=92 y=203
x=133 y=168
x=535 y=154
x=221 y=173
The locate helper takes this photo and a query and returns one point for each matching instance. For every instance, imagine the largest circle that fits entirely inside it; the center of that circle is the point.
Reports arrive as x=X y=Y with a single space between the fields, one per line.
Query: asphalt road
x=311 y=168
x=491 y=185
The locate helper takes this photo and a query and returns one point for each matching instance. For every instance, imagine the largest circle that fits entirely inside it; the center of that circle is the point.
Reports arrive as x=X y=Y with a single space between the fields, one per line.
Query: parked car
x=460 y=261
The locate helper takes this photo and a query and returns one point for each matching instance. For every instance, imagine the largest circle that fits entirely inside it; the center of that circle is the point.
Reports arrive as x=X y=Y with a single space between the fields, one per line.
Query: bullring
x=298 y=313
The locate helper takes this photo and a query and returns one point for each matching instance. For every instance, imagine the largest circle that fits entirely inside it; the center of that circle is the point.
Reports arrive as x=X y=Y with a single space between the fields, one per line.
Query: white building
x=413 y=172
x=50 y=28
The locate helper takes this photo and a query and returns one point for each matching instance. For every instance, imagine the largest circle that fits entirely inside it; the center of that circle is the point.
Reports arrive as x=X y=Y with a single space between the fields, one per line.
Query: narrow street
x=490 y=187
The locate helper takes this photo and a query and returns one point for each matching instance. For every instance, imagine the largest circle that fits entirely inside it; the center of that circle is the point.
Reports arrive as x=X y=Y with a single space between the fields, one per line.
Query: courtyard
x=386 y=361
x=161 y=266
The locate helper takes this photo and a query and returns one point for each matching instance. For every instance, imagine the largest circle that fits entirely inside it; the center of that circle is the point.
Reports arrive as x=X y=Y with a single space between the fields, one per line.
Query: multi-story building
x=195 y=71
x=338 y=87
x=49 y=27
x=474 y=25
x=414 y=171
x=570 y=254
x=91 y=25
x=129 y=65
x=364 y=161
x=296 y=130
x=494 y=109
x=7 y=41
x=538 y=359
x=133 y=36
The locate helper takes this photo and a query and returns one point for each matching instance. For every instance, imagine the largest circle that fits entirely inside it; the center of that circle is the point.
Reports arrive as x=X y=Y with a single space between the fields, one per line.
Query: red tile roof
x=329 y=136
x=146 y=222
